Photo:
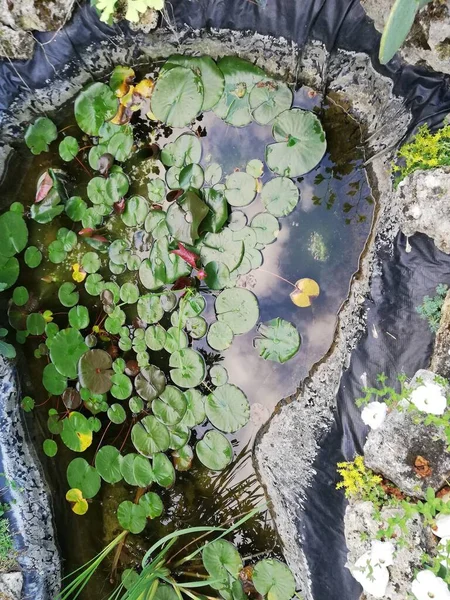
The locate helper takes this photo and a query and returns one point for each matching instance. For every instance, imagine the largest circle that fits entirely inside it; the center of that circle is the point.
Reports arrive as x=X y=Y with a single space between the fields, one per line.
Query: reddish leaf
x=132 y=368
x=45 y=185
x=201 y=274
x=105 y=162
x=174 y=195
x=183 y=282
x=86 y=232
x=100 y=238
x=119 y=207
x=188 y=256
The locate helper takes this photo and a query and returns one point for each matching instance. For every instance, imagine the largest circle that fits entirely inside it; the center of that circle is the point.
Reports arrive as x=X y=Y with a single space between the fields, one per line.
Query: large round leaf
x=238 y=308
x=279 y=340
x=214 y=451
x=136 y=470
x=76 y=432
x=152 y=504
x=170 y=407
x=178 y=97
x=149 y=436
x=53 y=381
x=195 y=409
x=184 y=217
x=273 y=579
x=149 y=308
x=185 y=150
x=227 y=408
x=300 y=146
x=222 y=248
x=93 y=106
x=40 y=134
x=13 y=233
x=188 y=368
x=131 y=517
x=68 y=295
x=66 y=349
x=82 y=476
x=280 y=196
x=183 y=458
x=150 y=383
x=136 y=211
x=163 y=470
x=9 y=272
x=108 y=461
x=240 y=188
x=94 y=371
x=220 y=336
x=266 y=227
x=268 y=99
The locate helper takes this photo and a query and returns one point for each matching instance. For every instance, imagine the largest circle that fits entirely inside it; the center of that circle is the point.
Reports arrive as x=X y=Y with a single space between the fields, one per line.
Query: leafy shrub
x=359 y=482
x=430 y=309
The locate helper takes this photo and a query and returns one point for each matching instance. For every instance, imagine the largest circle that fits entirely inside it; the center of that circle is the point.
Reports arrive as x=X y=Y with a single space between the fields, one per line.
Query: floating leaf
x=79 y=317
x=268 y=99
x=163 y=470
x=129 y=293
x=273 y=579
x=82 y=476
x=152 y=504
x=91 y=262
x=255 y=168
x=116 y=413
x=240 y=188
x=108 y=461
x=240 y=77
x=219 y=375
x=71 y=398
x=40 y=134
x=136 y=405
x=218 y=211
x=53 y=381
x=137 y=470
x=213 y=173
x=76 y=432
x=150 y=383
x=9 y=272
x=183 y=458
x=217 y=275
x=170 y=407
x=220 y=247
x=178 y=96
x=20 y=295
x=68 y=148
x=196 y=327
x=67 y=294
x=214 y=451
x=46 y=211
x=179 y=435
x=237 y=308
x=300 y=145
x=149 y=308
x=50 y=448
x=36 y=324
x=220 y=336
x=279 y=340
x=187 y=368
x=266 y=227
x=155 y=337
x=94 y=371
x=185 y=150
x=13 y=233
x=120 y=79
x=93 y=106
x=150 y=436
x=183 y=217
x=27 y=403
x=306 y=290
x=162 y=267
x=32 y=257
x=191 y=176
x=176 y=339
x=136 y=211
x=227 y=408
x=122 y=387
x=131 y=517
x=155 y=223
x=75 y=208
x=77 y=502
x=156 y=190
x=280 y=196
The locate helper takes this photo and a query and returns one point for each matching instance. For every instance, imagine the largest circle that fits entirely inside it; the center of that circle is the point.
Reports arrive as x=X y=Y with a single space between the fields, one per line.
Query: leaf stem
x=277 y=276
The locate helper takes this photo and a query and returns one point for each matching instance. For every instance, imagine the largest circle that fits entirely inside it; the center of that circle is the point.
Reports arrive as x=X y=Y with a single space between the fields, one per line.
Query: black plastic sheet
x=406 y=277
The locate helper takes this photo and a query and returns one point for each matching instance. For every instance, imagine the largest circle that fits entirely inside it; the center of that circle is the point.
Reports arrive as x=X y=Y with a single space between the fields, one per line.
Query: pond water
x=321 y=239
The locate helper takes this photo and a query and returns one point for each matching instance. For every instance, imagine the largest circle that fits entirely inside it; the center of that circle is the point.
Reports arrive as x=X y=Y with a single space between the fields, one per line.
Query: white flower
x=373 y=578
x=429 y=398
x=427 y=585
x=382 y=553
x=374 y=414
x=442 y=528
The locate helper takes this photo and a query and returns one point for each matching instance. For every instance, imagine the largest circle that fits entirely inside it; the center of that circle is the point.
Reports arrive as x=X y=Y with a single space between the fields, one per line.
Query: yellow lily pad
x=305 y=292
x=145 y=87
x=79 y=505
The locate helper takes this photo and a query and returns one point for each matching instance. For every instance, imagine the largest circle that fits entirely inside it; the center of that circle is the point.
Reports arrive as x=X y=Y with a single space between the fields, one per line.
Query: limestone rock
x=429 y=39
x=11 y=585
x=147 y=21
x=440 y=361
x=361 y=528
x=393 y=448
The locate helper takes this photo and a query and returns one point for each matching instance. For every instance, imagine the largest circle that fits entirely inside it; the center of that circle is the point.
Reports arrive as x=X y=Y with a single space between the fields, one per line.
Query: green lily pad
x=177 y=97
x=13 y=233
x=255 y=168
x=36 y=324
x=76 y=432
x=45 y=211
x=217 y=275
x=129 y=293
x=162 y=267
x=136 y=405
x=94 y=284
x=155 y=223
x=191 y=176
x=136 y=470
x=184 y=216
x=67 y=294
x=176 y=339
x=150 y=436
x=82 y=476
x=149 y=308
x=268 y=99
x=50 y=448
x=150 y=383
x=185 y=150
x=132 y=517
x=218 y=210
x=152 y=504
x=227 y=408
x=220 y=336
x=156 y=190
x=108 y=462
x=40 y=135
x=238 y=220
x=79 y=317
x=155 y=337
x=94 y=371
x=170 y=407
x=214 y=451
x=75 y=208
x=179 y=436
x=136 y=211
x=266 y=227
x=9 y=272
x=195 y=410
x=163 y=470
x=68 y=149
x=56 y=252
x=196 y=327
x=93 y=106
x=300 y=146
x=237 y=308
x=188 y=368
x=20 y=295
x=183 y=458
x=273 y=579
x=279 y=340
x=280 y=196
x=122 y=387
x=221 y=247
x=120 y=144
x=32 y=257
x=240 y=77
x=219 y=375
x=116 y=413
x=53 y=381
x=66 y=349
x=213 y=173
x=91 y=262
x=240 y=188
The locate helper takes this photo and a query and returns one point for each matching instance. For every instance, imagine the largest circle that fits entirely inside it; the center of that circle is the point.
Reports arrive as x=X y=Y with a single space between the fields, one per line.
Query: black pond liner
x=405 y=277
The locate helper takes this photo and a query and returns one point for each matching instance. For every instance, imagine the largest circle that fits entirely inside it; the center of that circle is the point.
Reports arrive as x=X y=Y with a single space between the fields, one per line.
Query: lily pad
x=76 y=433
x=150 y=383
x=50 y=448
x=240 y=188
x=214 y=451
x=156 y=190
x=183 y=458
x=218 y=211
x=219 y=375
x=132 y=517
x=40 y=134
x=279 y=340
x=300 y=146
x=53 y=381
x=48 y=209
x=195 y=410
x=36 y=324
x=20 y=295
x=188 y=368
x=149 y=308
x=227 y=408
x=13 y=233
x=280 y=196
x=78 y=503
x=273 y=579
x=163 y=470
x=68 y=148
x=213 y=173
x=122 y=387
x=162 y=267
x=184 y=217
x=32 y=257
x=94 y=371
x=67 y=294
x=255 y=168
x=191 y=176
x=196 y=327
x=108 y=462
x=268 y=99
x=82 y=476
x=266 y=227
x=116 y=414
x=66 y=349
x=237 y=308
x=217 y=275
x=220 y=336
x=155 y=337
x=306 y=291
x=9 y=272
x=221 y=247
x=170 y=407
x=185 y=150
x=150 y=436
x=91 y=262
x=178 y=97
x=155 y=223
x=93 y=106
x=152 y=504
x=136 y=210
x=137 y=470
x=79 y=317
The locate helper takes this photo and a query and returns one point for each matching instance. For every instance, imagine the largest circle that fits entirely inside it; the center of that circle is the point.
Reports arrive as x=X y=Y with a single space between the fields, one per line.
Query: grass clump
x=430 y=309
x=7 y=552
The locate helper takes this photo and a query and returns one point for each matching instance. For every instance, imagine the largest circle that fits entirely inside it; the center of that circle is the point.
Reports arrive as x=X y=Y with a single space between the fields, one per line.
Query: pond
x=322 y=220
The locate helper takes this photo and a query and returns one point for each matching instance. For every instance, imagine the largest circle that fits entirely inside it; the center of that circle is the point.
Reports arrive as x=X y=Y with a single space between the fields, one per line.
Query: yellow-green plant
x=359 y=482
x=134 y=8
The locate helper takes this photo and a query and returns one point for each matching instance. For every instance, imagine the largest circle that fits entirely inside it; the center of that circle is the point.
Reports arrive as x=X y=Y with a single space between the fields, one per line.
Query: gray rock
x=361 y=528
x=392 y=449
x=11 y=586
x=429 y=39
x=440 y=361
